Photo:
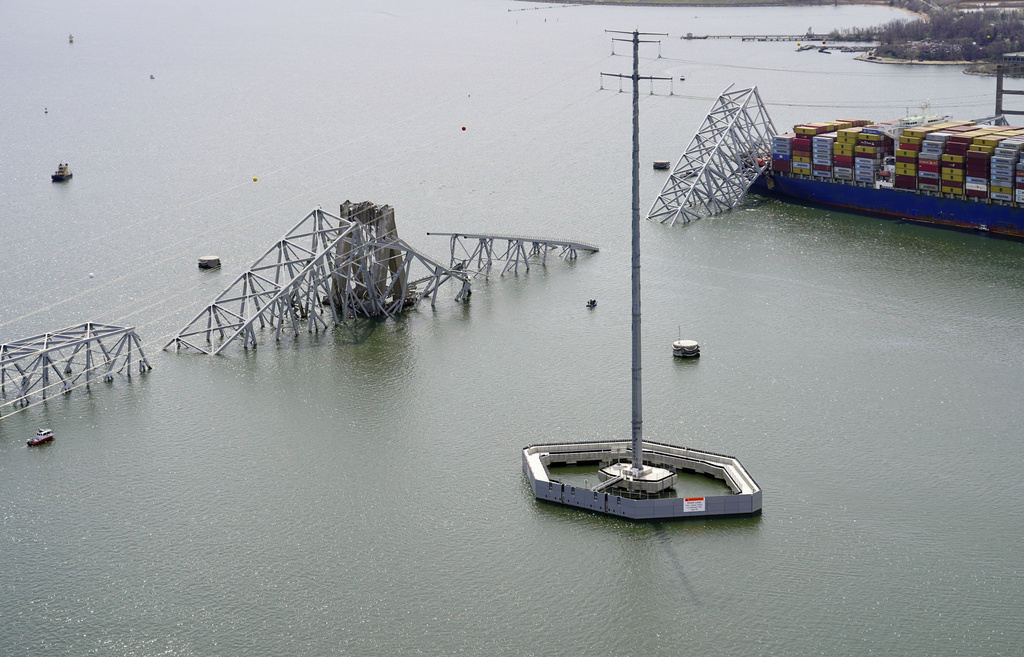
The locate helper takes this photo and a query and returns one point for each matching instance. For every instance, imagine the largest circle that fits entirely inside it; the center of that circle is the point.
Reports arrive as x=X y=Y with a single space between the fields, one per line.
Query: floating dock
x=606 y=498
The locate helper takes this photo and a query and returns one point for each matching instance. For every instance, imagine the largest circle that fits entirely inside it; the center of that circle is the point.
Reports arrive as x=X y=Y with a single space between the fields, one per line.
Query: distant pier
x=759 y=37
x=810 y=38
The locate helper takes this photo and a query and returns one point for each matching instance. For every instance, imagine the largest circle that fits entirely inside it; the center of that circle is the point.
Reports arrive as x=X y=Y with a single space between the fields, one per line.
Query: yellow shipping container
x=1000 y=190
x=952 y=174
x=907 y=169
x=870 y=150
x=916 y=141
x=982 y=149
x=952 y=190
x=904 y=153
x=870 y=137
x=953 y=158
x=799 y=158
x=810 y=128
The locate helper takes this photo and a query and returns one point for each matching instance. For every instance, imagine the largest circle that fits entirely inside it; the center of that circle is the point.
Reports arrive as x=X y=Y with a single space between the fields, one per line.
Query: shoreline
x=912 y=62
x=726 y=4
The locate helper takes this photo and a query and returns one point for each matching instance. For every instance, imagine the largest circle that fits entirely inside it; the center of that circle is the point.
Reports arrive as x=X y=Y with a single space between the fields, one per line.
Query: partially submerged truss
x=479 y=253
x=730 y=150
x=60 y=361
x=326 y=268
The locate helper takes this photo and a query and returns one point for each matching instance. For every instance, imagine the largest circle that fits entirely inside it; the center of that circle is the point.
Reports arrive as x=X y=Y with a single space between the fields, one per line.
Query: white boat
x=685 y=349
x=42 y=436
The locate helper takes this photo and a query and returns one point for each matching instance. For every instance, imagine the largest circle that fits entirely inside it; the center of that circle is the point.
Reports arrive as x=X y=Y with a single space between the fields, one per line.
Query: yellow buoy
x=254 y=180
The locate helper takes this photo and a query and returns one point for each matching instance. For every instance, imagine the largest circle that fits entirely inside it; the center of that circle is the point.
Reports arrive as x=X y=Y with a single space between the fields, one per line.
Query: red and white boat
x=42 y=436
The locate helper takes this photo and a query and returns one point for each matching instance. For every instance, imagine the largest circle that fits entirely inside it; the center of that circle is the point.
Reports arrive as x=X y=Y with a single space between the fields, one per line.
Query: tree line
x=947 y=35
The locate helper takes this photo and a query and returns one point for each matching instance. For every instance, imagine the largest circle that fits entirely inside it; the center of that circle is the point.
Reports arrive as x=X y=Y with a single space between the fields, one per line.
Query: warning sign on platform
x=691 y=504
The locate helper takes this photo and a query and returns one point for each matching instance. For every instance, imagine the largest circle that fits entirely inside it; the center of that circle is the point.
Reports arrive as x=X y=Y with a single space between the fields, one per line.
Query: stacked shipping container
x=956 y=158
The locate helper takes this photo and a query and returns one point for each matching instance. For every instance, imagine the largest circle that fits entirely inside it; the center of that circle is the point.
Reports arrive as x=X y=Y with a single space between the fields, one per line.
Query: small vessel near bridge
x=62 y=173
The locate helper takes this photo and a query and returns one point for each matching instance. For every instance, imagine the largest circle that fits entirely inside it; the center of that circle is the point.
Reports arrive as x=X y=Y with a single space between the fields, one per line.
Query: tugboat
x=63 y=173
x=42 y=436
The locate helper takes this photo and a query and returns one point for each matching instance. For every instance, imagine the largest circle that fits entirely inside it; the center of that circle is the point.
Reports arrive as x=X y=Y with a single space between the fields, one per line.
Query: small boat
x=685 y=349
x=592 y=303
x=63 y=173
x=42 y=436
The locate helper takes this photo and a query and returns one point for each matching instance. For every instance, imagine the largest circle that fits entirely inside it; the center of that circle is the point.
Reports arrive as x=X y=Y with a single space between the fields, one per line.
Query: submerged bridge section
x=730 y=150
x=479 y=253
x=326 y=268
x=60 y=361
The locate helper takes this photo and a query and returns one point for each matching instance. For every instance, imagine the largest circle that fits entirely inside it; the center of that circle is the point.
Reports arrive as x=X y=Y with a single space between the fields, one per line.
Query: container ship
x=961 y=174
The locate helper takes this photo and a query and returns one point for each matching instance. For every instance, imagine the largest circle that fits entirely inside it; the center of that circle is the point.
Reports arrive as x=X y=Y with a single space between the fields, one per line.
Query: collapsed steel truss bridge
x=512 y=250
x=326 y=267
x=60 y=361
x=730 y=150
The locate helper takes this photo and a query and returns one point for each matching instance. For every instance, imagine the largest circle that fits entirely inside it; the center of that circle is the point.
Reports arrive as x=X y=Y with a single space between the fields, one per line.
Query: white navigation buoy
x=685 y=349
x=91 y=274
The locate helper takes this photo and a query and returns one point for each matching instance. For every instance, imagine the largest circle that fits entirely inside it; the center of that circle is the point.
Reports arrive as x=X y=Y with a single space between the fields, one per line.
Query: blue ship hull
x=911 y=205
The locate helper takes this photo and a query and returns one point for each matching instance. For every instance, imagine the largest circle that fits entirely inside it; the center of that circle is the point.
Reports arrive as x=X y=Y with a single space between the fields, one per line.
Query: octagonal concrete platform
x=603 y=498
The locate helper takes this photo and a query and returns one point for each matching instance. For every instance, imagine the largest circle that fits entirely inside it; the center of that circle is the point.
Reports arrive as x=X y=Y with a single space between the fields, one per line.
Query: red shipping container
x=904 y=159
x=905 y=182
x=977 y=194
x=797 y=153
x=909 y=147
x=780 y=165
x=842 y=160
x=822 y=167
x=978 y=155
x=802 y=143
x=933 y=168
x=956 y=149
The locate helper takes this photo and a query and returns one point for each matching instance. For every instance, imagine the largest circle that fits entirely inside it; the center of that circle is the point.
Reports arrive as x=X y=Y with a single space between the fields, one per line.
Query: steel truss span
x=326 y=268
x=478 y=253
x=730 y=150
x=60 y=361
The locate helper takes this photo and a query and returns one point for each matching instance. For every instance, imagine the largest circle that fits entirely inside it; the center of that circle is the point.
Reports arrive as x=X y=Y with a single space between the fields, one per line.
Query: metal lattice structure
x=730 y=150
x=325 y=268
x=60 y=361
x=511 y=250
